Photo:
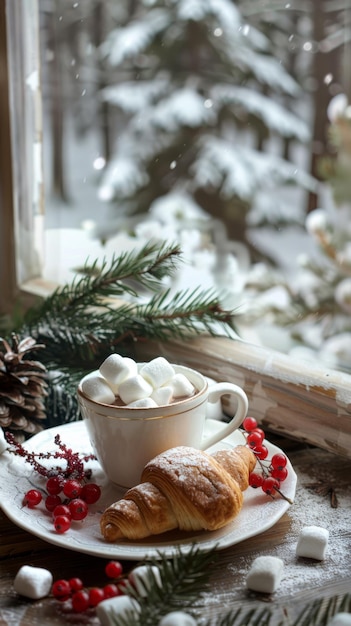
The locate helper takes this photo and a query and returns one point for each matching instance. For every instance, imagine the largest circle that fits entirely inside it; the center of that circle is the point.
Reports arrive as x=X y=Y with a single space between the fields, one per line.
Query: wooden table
x=303 y=580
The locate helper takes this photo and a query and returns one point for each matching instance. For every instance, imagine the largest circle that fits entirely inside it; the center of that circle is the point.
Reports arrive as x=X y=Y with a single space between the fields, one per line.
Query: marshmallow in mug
x=153 y=384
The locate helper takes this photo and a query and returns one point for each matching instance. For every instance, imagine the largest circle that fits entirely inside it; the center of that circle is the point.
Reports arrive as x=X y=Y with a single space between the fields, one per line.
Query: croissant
x=181 y=488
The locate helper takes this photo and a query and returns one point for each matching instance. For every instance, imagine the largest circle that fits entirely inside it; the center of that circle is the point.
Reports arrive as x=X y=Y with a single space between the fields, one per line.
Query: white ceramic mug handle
x=216 y=391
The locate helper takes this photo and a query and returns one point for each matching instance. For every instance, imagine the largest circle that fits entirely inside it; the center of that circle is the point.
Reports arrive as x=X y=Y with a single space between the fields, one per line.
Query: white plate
x=259 y=512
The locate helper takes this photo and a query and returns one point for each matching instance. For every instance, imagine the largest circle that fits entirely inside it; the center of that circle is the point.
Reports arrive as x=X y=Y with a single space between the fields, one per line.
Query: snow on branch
x=241 y=171
x=267 y=69
x=184 y=107
x=268 y=110
x=124 y=175
x=226 y=13
x=177 y=206
x=127 y=42
x=133 y=97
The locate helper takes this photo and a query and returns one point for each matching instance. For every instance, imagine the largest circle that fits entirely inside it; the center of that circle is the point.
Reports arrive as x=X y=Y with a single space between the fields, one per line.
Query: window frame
x=21 y=179
x=8 y=279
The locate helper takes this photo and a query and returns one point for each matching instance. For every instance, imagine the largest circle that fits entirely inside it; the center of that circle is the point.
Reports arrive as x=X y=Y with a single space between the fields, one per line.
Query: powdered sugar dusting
x=301 y=574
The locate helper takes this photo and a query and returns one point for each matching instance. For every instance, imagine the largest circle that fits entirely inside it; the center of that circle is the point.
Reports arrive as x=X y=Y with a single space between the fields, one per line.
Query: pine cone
x=22 y=388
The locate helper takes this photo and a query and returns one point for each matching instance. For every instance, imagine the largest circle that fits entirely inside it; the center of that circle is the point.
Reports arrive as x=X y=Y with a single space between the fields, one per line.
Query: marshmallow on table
x=312 y=542
x=96 y=388
x=122 y=606
x=181 y=386
x=157 y=372
x=143 y=577
x=134 y=388
x=265 y=574
x=177 y=618
x=33 y=582
x=116 y=368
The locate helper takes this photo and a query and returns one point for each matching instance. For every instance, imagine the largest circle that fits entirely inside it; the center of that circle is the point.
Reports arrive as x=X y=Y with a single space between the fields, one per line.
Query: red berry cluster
x=82 y=598
x=273 y=471
x=74 y=460
x=67 y=499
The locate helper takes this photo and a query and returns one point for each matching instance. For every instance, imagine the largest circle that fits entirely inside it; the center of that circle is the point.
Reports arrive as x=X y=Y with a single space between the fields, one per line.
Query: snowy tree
x=192 y=83
x=73 y=73
x=316 y=304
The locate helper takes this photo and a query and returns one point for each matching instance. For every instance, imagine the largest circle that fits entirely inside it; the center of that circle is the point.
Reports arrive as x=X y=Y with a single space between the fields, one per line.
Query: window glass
x=223 y=124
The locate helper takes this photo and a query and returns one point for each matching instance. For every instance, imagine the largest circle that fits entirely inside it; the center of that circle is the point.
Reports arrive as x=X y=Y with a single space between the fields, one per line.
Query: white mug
x=124 y=438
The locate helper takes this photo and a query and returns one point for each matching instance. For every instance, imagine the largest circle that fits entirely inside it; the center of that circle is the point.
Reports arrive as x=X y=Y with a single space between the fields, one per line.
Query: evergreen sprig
x=238 y=617
x=107 y=308
x=95 y=284
x=320 y=611
x=81 y=323
x=186 y=579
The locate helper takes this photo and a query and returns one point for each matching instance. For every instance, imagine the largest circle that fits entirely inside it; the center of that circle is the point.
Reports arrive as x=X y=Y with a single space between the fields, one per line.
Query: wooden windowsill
x=286 y=395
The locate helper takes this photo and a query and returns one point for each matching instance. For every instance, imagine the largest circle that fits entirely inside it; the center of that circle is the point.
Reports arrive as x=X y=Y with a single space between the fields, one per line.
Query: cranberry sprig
x=272 y=472
x=67 y=494
x=74 y=460
x=82 y=598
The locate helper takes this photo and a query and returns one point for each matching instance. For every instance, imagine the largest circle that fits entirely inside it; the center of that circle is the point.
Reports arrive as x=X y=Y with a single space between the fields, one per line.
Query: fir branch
x=320 y=610
x=145 y=268
x=184 y=578
x=80 y=325
x=187 y=312
x=87 y=337
x=239 y=617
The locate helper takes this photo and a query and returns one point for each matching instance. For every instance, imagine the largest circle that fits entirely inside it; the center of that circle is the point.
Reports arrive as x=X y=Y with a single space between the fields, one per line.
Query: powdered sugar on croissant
x=181 y=488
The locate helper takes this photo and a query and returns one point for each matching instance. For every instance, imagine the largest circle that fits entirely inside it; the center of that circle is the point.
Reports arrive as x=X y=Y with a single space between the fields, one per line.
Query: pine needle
x=185 y=580
x=81 y=323
x=321 y=610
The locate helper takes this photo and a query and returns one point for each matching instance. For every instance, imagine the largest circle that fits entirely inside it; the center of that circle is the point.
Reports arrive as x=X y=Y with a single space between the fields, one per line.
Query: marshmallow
x=157 y=372
x=3 y=443
x=33 y=582
x=181 y=386
x=163 y=395
x=96 y=388
x=312 y=542
x=116 y=368
x=134 y=388
x=143 y=403
x=265 y=574
x=143 y=578
x=121 y=606
x=340 y=619
x=177 y=618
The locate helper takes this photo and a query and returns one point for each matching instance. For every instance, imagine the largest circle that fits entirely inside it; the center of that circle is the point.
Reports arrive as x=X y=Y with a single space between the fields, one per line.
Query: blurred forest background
x=219 y=117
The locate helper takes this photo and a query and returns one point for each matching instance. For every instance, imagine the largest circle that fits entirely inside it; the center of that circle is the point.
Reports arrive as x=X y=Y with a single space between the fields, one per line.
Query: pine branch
x=81 y=324
x=320 y=611
x=184 y=579
x=143 y=268
x=238 y=617
x=187 y=312
x=104 y=311
x=160 y=601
